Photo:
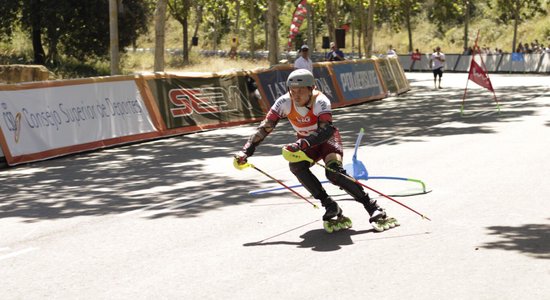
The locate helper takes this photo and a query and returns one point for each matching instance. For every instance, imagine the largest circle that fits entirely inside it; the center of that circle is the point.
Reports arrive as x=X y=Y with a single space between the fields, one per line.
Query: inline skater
x=309 y=113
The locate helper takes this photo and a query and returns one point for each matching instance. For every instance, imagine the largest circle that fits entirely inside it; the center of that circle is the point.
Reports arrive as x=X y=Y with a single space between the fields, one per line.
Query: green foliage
x=77 y=27
x=508 y=10
x=8 y=18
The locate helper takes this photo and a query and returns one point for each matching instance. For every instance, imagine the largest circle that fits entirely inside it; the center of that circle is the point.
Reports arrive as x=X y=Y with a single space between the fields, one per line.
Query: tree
x=273 y=36
x=160 y=20
x=369 y=33
x=330 y=16
x=450 y=13
x=518 y=11
x=8 y=18
x=399 y=13
x=113 y=33
x=76 y=27
x=179 y=9
x=255 y=15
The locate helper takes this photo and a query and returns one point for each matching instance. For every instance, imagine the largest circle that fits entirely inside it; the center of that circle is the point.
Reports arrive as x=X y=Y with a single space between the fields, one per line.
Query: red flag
x=298 y=17
x=479 y=76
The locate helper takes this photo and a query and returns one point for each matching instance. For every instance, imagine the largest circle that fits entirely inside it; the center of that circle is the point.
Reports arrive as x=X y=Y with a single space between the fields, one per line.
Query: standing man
x=335 y=54
x=437 y=62
x=304 y=62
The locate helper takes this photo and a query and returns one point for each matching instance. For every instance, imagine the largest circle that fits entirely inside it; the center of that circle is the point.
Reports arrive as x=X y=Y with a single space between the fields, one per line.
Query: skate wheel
x=377 y=227
x=395 y=222
x=328 y=227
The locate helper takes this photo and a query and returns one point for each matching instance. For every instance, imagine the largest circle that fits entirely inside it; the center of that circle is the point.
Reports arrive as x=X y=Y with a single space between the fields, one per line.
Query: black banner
x=187 y=101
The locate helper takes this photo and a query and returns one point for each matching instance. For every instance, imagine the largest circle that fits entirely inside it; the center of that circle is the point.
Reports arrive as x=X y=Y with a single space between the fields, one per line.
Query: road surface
x=172 y=219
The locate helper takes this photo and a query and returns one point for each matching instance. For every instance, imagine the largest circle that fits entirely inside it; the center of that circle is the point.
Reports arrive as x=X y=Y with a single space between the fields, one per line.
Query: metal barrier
x=495 y=63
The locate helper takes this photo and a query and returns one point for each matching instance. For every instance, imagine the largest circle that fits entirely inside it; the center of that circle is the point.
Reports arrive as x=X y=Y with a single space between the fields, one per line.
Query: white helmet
x=299 y=78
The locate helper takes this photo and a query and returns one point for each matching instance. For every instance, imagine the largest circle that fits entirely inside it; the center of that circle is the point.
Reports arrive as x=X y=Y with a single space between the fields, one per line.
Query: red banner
x=479 y=76
x=298 y=17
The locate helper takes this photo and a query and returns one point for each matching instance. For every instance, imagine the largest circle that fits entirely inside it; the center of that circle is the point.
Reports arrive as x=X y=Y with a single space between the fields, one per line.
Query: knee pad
x=308 y=180
x=338 y=176
x=334 y=175
x=297 y=167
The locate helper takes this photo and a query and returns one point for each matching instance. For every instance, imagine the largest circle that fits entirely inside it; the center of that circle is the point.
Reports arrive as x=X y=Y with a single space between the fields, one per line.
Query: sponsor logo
x=38 y=117
x=209 y=100
x=13 y=123
x=303 y=120
x=360 y=80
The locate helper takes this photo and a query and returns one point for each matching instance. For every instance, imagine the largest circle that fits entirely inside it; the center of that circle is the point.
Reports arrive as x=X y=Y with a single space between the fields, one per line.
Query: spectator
x=234 y=45
x=416 y=55
x=304 y=62
x=391 y=51
x=335 y=54
x=526 y=48
x=437 y=62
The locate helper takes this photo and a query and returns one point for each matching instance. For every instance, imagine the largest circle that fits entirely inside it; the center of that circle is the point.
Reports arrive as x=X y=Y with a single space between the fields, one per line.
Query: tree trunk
x=185 y=41
x=238 y=9
x=330 y=17
x=160 y=20
x=251 y=14
x=363 y=29
x=370 y=28
x=516 y=9
x=313 y=24
x=409 y=29
x=38 y=49
x=466 y=22
x=309 y=28
x=113 y=25
x=198 y=21
x=273 y=43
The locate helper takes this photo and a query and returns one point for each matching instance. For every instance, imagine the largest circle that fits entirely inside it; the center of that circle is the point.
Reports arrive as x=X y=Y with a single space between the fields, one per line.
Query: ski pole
x=246 y=165
x=301 y=156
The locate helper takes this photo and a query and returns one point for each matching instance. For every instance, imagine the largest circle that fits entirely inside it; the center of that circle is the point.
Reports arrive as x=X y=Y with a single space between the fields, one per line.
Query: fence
x=495 y=63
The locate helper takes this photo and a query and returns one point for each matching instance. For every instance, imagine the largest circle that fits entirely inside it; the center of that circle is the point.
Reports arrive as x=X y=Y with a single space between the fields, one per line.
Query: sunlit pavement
x=172 y=218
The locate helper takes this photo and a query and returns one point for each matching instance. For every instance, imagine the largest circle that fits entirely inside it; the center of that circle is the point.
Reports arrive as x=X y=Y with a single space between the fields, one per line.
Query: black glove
x=299 y=145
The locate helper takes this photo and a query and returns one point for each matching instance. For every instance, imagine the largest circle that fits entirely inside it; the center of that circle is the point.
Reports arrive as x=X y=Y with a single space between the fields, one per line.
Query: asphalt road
x=172 y=219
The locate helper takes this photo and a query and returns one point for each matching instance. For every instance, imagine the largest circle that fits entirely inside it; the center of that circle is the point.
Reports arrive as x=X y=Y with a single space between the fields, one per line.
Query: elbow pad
x=321 y=135
x=261 y=133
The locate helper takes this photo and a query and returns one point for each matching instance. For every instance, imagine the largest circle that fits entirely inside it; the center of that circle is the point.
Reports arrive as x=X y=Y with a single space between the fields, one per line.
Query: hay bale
x=23 y=73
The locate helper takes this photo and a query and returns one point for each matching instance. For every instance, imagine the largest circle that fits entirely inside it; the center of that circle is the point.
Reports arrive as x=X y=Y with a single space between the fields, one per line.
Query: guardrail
x=495 y=63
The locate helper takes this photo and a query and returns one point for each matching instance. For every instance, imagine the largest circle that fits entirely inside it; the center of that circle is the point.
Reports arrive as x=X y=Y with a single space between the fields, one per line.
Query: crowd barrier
x=42 y=120
x=495 y=63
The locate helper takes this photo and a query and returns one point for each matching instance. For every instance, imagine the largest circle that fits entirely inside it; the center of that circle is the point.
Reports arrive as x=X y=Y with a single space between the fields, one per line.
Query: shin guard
x=309 y=181
x=352 y=188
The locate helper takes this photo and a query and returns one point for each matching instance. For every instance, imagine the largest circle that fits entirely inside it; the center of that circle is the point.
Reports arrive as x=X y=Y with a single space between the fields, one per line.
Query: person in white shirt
x=304 y=62
x=437 y=62
x=309 y=112
x=391 y=51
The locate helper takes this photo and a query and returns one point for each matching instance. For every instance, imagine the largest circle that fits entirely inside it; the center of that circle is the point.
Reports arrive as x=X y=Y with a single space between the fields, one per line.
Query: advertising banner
x=45 y=121
x=195 y=103
x=358 y=81
x=272 y=82
x=387 y=75
x=399 y=74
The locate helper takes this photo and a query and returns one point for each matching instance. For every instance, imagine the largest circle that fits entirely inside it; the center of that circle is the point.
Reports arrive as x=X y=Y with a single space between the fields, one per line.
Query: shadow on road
x=531 y=239
x=318 y=240
x=118 y=180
